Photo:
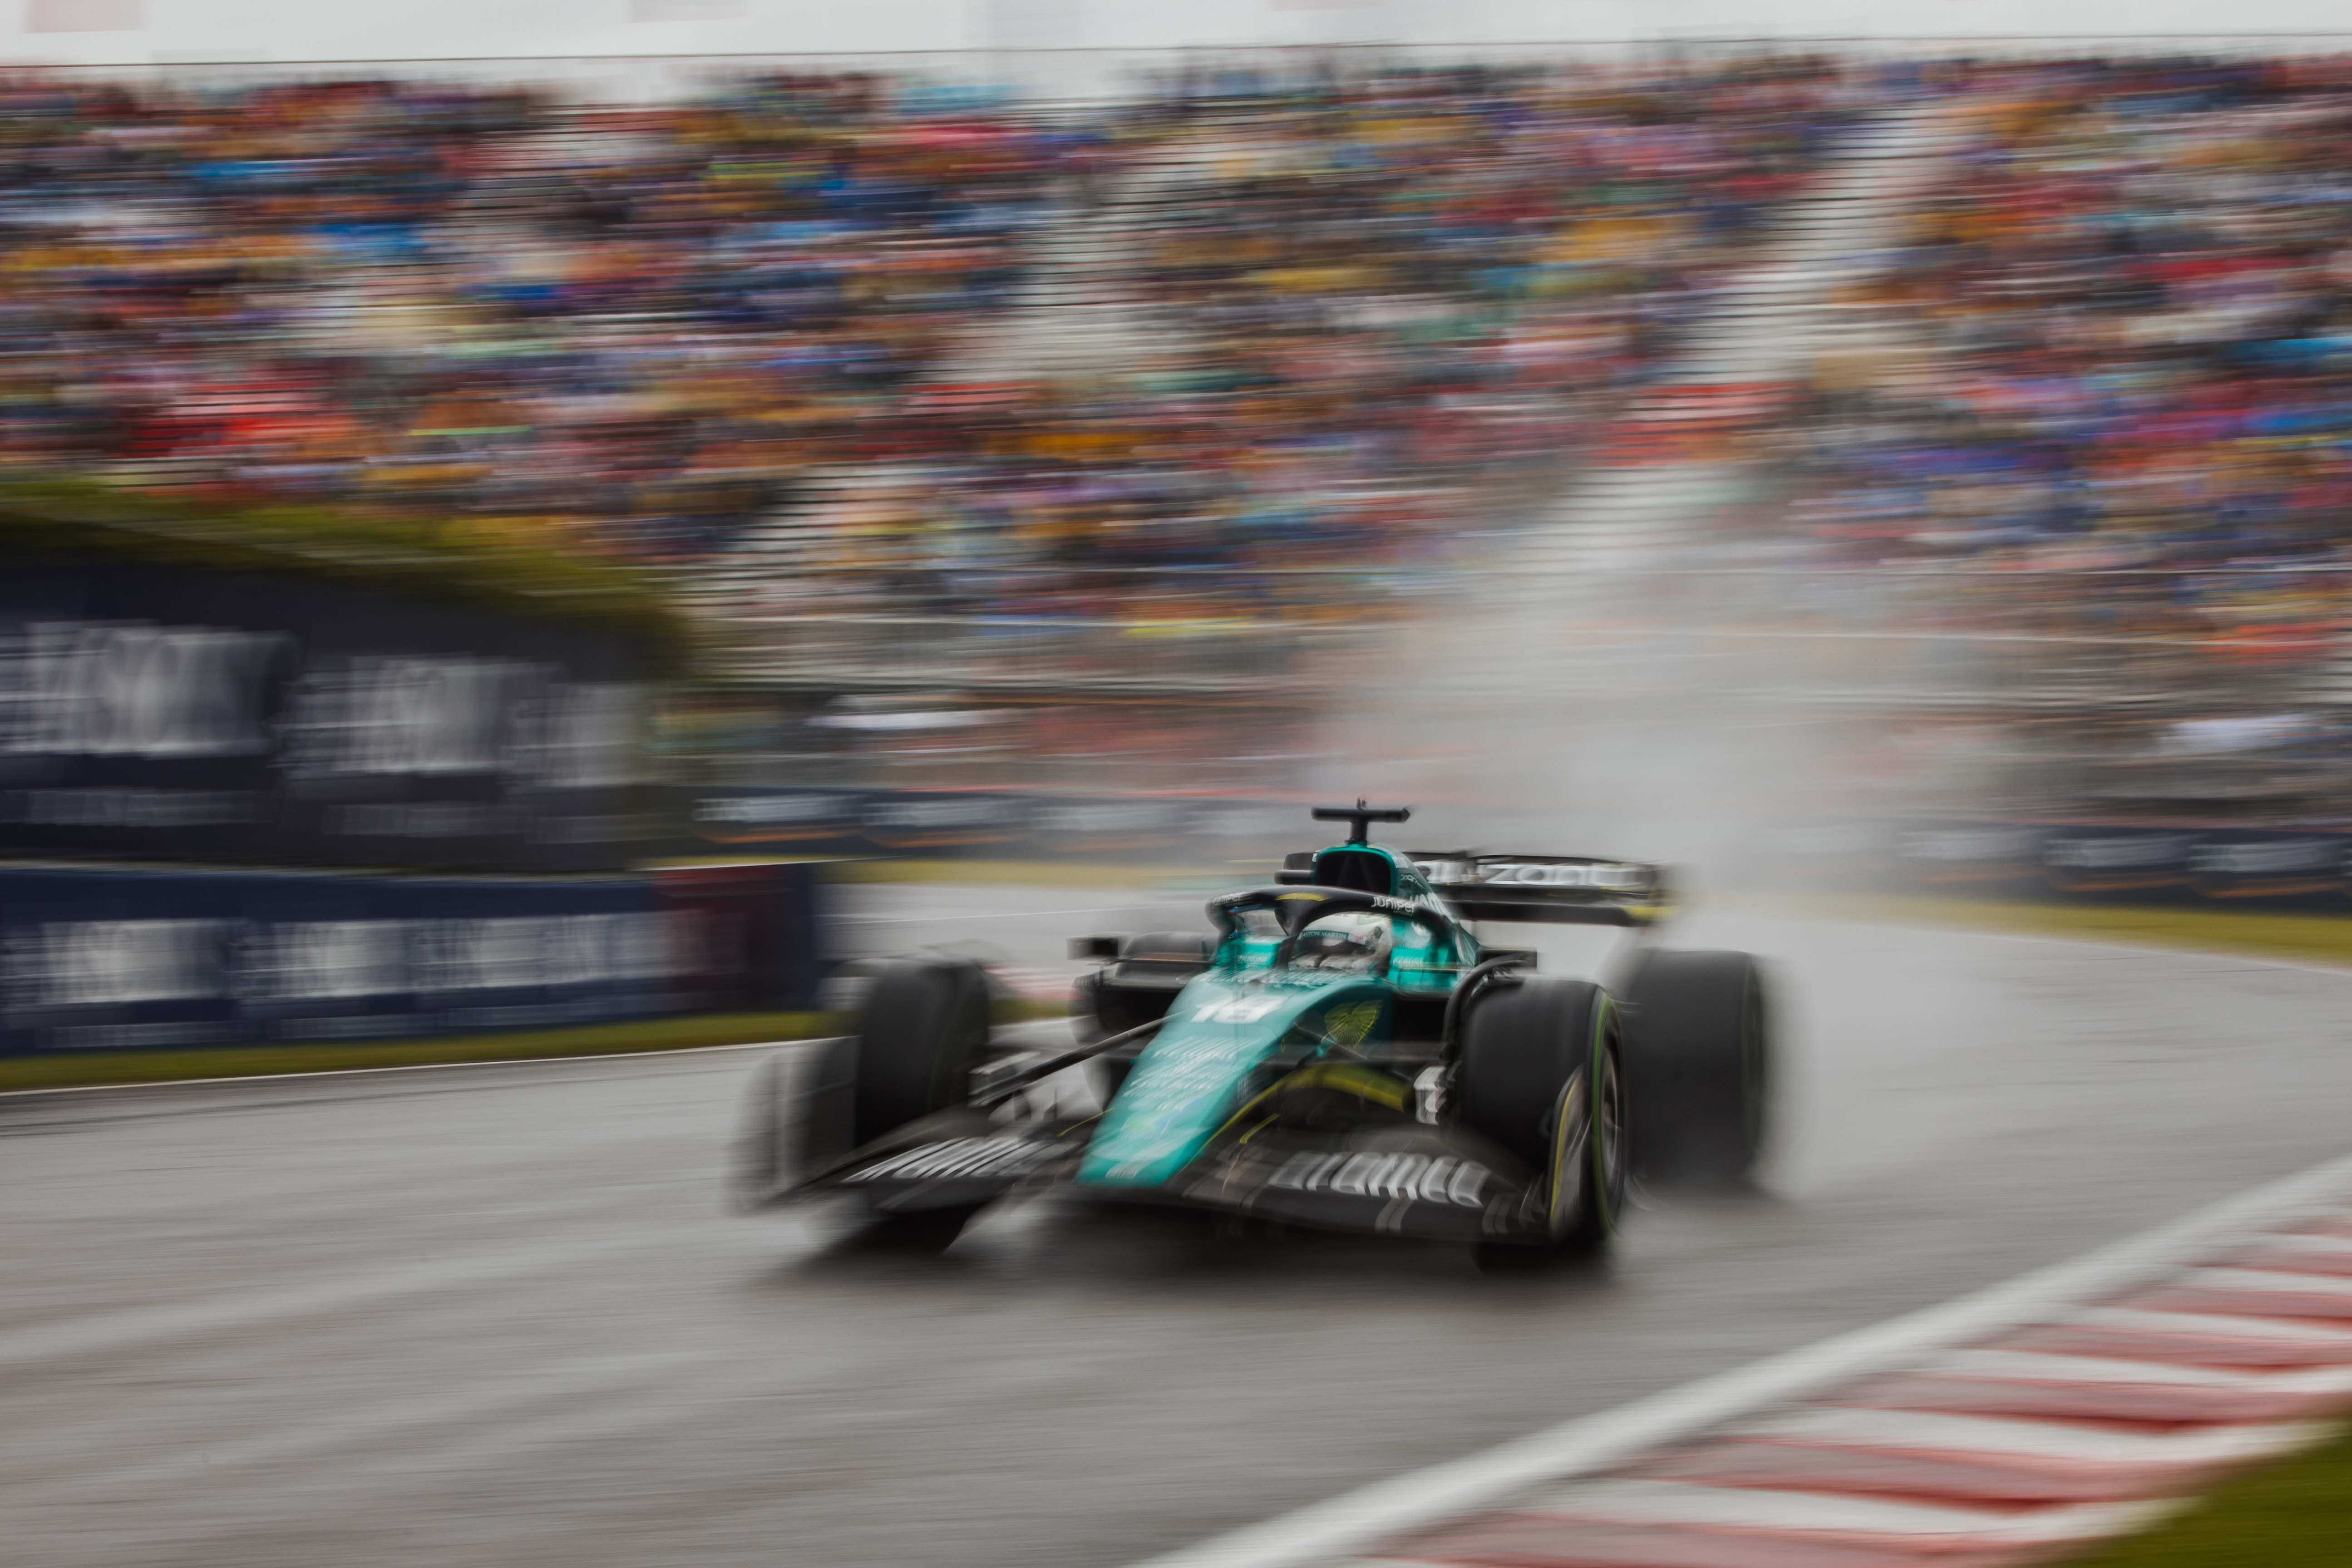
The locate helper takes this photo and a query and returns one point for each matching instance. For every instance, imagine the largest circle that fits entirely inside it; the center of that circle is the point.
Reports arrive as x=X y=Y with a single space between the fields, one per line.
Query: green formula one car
x=1342 y=1052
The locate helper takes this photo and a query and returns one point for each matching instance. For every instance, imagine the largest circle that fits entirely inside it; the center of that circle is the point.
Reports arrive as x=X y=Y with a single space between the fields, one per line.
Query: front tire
x=921 y=1030
x=1541 y=1075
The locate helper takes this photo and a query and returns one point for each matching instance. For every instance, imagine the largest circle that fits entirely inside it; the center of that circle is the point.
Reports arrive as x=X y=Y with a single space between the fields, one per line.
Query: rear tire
x=1701 y=1064
x=1540 y=1075
x=1138 y=986
x=1101 y=1006
x=921 y=1030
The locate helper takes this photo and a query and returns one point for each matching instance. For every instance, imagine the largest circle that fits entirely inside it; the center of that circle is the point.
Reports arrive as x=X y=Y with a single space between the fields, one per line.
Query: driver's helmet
x=1355 y=939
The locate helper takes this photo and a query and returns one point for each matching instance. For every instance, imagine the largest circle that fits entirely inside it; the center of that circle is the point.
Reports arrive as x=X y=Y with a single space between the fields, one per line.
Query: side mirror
x=1105 y=948
x=1297 y=869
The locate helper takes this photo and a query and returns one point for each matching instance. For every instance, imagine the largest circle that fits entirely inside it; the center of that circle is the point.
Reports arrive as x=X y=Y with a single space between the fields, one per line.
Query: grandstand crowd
x=2117 y=382
x=1370 y=304
x=1362 y=311
x=626 y=329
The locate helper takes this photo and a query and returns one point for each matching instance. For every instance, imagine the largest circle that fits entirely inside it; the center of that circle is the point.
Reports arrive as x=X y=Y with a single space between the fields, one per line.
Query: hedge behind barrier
x=72 y=520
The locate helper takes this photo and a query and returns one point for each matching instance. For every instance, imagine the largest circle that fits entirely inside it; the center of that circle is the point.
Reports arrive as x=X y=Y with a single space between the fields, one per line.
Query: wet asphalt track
x=497 y=1316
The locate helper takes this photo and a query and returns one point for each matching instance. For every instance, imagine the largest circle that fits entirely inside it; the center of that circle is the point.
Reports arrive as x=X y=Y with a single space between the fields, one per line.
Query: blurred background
x=544 y=442
x=575 y=518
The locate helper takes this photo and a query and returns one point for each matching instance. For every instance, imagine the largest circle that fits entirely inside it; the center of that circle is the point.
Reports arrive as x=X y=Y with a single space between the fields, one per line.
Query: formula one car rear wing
x=1546 y=889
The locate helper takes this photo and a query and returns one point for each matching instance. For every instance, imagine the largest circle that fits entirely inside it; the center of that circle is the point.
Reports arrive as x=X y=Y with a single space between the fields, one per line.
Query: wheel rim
x=1609 y=1113
x=1571 y=1159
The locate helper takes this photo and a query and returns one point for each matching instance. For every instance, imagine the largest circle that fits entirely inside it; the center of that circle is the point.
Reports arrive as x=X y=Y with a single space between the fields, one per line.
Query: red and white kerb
x=2020 y=1449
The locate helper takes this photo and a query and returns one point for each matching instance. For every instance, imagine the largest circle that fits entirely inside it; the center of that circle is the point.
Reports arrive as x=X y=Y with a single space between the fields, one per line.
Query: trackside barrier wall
x=155 y=960
x=177 y=714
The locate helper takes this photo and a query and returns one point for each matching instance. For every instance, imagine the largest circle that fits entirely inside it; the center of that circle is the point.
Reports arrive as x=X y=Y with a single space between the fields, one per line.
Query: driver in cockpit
x=1356 y=940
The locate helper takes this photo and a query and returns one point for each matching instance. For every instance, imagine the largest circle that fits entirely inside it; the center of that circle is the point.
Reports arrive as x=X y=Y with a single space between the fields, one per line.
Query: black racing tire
x=924 y=1233
x=1540 y=1074
x=1086 y=1026
x=1116 y=1009
x=1163 y=960
x=796 y=1122
x=921 y=1031
x=1700 y=1059
x=1183 y=949
x=1101 y=1006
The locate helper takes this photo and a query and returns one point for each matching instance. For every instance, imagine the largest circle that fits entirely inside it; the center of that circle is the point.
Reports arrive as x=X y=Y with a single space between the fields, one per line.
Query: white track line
x=2265 y=1282
x=2288 y=1241
x=1917 y=1431
x=1745 y=1508
x=2206 y=1325
x=2075 y=1370
x=1374 y=1513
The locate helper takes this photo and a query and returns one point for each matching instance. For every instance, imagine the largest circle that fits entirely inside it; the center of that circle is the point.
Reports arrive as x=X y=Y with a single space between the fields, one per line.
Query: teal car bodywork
x=1198 y=1076
x=1236 y=1031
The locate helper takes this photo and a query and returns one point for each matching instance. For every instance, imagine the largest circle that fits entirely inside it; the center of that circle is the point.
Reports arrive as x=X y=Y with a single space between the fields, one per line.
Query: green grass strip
x=81 y=1068
x=2293 y=1514
x=2304 y=938
x=67 y=518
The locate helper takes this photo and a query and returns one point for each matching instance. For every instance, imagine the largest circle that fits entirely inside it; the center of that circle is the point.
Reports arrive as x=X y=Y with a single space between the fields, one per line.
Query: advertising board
x=183 y=715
